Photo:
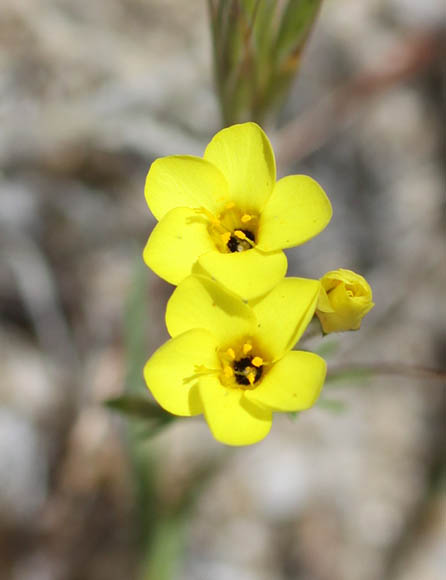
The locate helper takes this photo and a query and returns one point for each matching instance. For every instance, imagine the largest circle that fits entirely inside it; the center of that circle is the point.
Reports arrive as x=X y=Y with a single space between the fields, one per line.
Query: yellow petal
x=200 y=302
x=347 y=311
x=232 y=419
x=248 y=274
x=171 y=373
x=292 y=384
x=297 y=210
x=332 y=278
x=244 y=155
x=175 y=244
x=323 y=303
x=345 y=299
x=284 y=313
x=184 y=181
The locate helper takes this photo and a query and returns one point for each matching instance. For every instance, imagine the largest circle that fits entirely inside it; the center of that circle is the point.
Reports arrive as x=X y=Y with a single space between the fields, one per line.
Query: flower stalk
x=257 y=48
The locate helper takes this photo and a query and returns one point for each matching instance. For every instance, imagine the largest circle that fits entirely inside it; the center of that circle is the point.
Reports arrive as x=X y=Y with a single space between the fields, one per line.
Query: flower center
x=245 y=371
x=242 y=367
x=233 y=230
x=239 y=243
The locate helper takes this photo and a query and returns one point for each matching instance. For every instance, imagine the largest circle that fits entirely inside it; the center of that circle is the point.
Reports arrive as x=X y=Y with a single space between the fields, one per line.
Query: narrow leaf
x=332 y=405
x=138 y=406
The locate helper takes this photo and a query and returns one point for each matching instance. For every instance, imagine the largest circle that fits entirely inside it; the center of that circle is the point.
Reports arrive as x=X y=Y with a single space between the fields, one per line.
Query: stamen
x=225 y=237
x=251 y=377
x=246 y=218
x=231 y=354
x=242 y=236
x=247 y=348
x=228 y=371
x=257 y=361
x=246 y=373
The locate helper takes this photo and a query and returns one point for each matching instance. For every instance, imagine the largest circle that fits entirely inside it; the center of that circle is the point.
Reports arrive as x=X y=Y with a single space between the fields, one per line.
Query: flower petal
x=171 y=375
x=323 y=303
x=231 y=417
x=199 y=302
x=244 y=155
x=175 y=244
x=297 y=210
x=184 y=181
x=347 y=311
x=292 y=384
x=284 y=313
x=249 y=274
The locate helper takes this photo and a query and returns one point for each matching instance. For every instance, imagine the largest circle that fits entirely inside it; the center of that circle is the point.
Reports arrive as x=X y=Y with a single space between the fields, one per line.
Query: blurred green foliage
x=162 y=522
x=159 y=535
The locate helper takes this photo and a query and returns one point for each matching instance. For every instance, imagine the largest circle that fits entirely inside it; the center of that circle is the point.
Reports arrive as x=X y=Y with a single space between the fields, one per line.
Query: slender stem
x=388 y=368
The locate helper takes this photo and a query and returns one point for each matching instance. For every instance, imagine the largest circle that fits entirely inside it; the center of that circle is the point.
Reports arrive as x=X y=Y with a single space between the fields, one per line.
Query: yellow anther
x=230 y=205
x=246 y=218
x=231 y=354
x=242 y=236
x=251 y=377
x=257 y=361
x=228 y=371
x=225 y=237
x=247 y=348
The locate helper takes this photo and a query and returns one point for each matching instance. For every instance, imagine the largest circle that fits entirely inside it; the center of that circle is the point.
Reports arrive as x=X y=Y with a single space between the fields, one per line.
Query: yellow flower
x=225 y=216
x=233 y=361
x=345 y=299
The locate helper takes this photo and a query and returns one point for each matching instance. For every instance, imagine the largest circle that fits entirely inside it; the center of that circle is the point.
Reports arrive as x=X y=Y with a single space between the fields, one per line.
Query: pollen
x=251 y=377
x=246 y=218
x=228 y=371
x=247 y=348
x=257 y=361
x=231 y=354
x=225 y=237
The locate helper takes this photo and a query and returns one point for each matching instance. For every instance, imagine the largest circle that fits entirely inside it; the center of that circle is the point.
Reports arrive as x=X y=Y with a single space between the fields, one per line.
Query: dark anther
x=232 y=244
x=243 y=367
x=237 y=245
x=249 y=235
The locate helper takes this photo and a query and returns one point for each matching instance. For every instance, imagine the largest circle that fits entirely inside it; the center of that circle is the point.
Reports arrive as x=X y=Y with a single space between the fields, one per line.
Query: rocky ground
x=90 y=94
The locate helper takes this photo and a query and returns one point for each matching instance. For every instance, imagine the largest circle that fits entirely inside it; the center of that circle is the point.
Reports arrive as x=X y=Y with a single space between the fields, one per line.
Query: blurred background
x=90 y=94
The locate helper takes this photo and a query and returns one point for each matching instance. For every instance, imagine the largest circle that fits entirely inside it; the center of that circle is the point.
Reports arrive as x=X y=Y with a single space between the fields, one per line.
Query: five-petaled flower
x=225 y=216
x=232 y=360
x=345 y=298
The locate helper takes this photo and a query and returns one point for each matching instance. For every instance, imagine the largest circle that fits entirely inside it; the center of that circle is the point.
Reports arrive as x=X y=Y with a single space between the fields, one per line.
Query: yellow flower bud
x=344 y=300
